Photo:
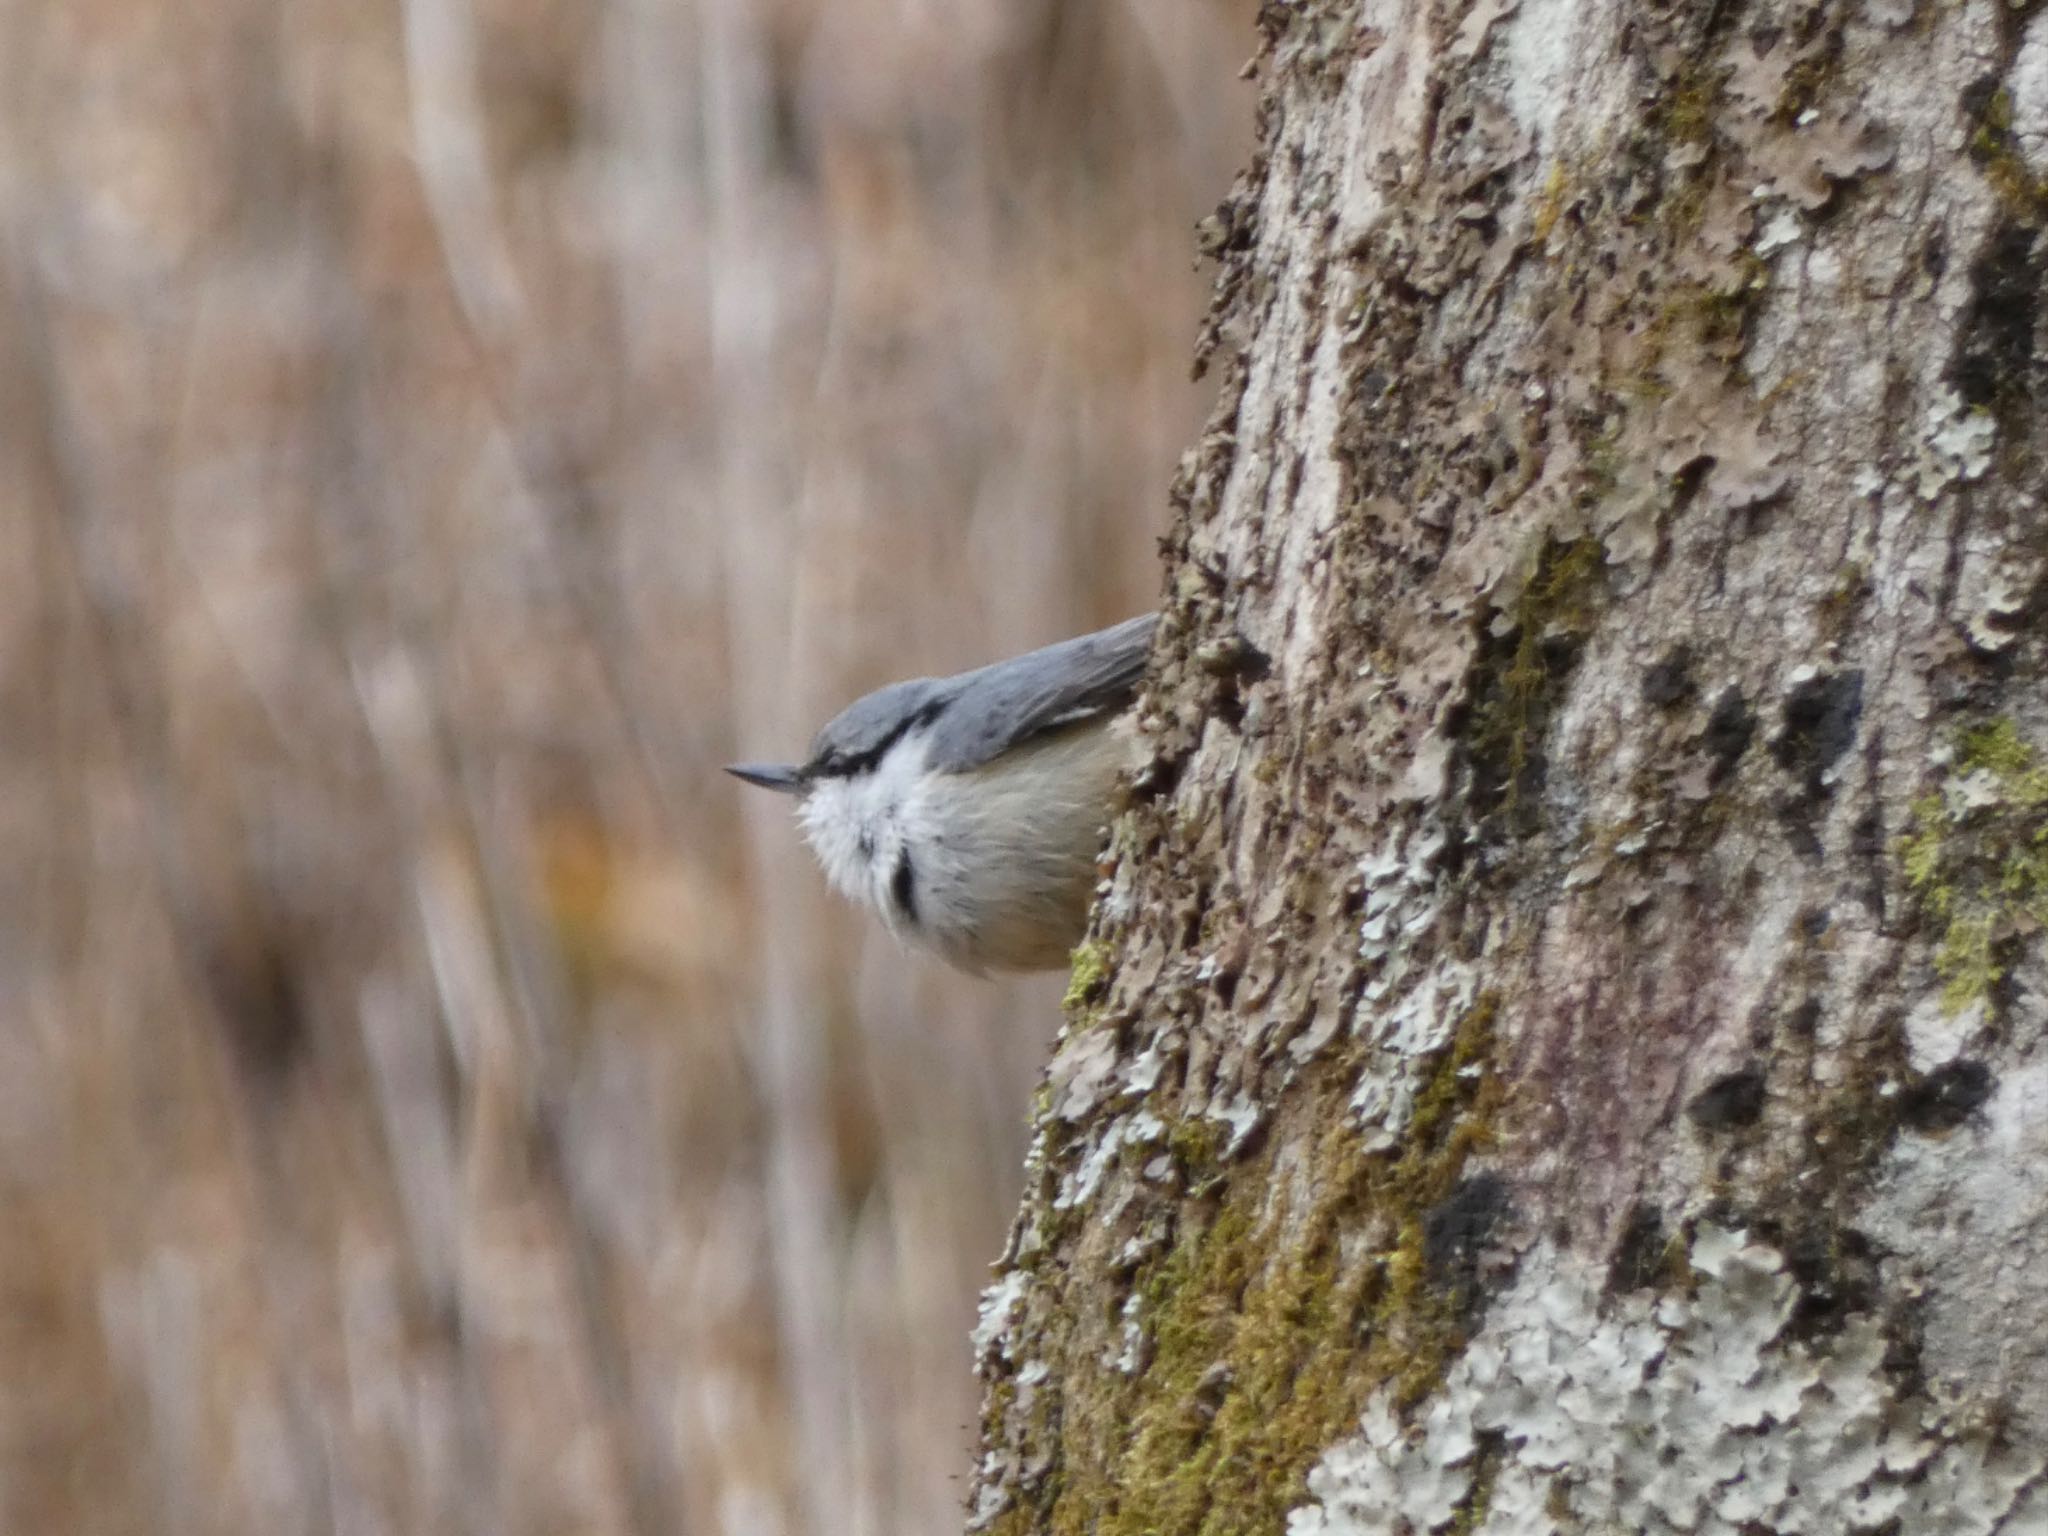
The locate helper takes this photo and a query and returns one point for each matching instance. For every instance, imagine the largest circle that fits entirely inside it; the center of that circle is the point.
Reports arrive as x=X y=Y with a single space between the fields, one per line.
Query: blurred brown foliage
x=436 y=435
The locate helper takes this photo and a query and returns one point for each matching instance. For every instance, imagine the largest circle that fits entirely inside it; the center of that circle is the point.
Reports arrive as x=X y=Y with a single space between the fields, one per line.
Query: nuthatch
x=969 y=811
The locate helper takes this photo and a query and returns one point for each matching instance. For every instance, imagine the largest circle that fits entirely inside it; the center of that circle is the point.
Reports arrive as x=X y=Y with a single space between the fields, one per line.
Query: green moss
x=1996 y=748
x=1518 y=681
x=1998 y=111
x=1920 y=855
x=1685 y=113
x=1558 y=1502
x=1997 y=156
x=1550 y=205
x=1969 y=963
x=1807 y=81
x=1088 y=979
x=1603 y=460
x=1453 y=1117
x=1838 y=608
x=1196 y=1144
x=1714 y=315
x=1975 y=857
x=1268 y=1324
x=1478 y=1502
x=1237 y=1390
x=2016 y=186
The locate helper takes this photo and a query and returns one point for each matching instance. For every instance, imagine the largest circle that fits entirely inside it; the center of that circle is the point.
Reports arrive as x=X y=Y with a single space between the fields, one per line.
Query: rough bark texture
x=1563 y=1046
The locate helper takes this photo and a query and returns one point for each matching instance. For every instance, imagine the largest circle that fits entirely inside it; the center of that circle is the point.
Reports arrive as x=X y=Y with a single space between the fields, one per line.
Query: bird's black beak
x=780 y=777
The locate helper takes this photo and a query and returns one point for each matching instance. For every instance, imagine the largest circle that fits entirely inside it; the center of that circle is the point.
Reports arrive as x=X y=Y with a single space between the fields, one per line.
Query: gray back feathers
x=974 y=717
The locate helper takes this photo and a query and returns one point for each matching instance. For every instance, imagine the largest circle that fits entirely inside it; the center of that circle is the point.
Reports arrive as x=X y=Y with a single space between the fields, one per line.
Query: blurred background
x=434 y=436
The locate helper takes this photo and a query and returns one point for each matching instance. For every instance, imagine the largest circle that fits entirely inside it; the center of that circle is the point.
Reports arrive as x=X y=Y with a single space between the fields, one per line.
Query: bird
x=969 y=811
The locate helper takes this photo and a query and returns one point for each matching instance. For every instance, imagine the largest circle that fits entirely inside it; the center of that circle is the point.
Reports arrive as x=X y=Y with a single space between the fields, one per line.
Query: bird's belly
x=1006 y=856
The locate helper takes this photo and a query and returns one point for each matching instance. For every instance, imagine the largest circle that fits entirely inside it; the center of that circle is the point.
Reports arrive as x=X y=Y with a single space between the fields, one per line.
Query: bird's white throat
x=861 y=826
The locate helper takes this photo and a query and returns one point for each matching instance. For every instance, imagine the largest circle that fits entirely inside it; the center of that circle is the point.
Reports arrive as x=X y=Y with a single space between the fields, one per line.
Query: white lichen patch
x=992 y=1495
x=999 y=1304
x=1995 y=582
x=1082 y=1073
x=1080 y=1184
x=2028 y=84
x=1936 y=1035
x=1965 y=1212
x=1239 y=1117
x=1783 y=227
x=1415 y=997
x=1129 y=1353
x=1088 y=1073
x=1993 y=622
x=1696 y=1413
x=1141 y=1074
x=1000 y=1466
x=1956 y=445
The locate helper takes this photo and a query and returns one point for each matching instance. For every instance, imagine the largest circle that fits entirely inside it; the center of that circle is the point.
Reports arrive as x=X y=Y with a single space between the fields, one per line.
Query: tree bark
x=1562 y=1048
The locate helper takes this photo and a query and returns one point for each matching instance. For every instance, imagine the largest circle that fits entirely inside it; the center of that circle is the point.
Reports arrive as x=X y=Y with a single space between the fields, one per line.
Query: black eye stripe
x=903 y=886
x=838 y=765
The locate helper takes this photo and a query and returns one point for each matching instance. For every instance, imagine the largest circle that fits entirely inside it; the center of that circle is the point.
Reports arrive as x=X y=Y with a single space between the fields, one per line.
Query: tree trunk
x=1562 y=1049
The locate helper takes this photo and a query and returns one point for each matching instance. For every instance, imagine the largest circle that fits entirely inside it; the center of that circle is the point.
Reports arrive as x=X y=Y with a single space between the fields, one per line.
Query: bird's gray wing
x=1002 y=705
